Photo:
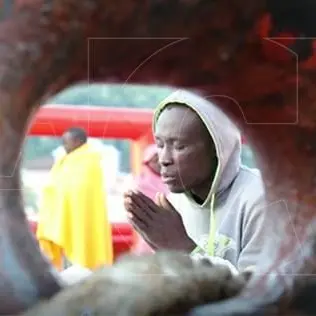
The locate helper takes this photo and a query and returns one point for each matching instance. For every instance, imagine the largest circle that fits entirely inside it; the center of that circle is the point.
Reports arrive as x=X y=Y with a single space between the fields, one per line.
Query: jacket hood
x=225 y=135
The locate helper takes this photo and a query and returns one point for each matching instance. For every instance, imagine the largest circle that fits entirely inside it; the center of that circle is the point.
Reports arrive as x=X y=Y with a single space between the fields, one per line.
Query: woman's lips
x=168 y=178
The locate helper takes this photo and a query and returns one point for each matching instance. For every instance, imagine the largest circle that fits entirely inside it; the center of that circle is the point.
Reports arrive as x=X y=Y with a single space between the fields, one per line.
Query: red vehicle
x=122 y=235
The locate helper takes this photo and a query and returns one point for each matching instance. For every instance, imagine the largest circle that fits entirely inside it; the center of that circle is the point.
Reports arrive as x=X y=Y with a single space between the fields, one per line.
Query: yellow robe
x=73 y=217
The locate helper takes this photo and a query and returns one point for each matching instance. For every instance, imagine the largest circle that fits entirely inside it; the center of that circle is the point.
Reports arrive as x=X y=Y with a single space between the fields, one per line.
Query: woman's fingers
x=138 y=211
x=127 y=193
x=145 y=203
x=164 y=202
x=158 y=199
x=128 y=204
x=140 y=226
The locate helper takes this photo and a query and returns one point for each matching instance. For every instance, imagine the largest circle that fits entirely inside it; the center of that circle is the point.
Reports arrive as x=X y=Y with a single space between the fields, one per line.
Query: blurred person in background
x=73 y=225
x=149 y=183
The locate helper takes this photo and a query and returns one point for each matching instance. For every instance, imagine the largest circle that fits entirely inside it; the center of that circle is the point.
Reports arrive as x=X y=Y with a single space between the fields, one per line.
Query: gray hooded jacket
x=230 y=223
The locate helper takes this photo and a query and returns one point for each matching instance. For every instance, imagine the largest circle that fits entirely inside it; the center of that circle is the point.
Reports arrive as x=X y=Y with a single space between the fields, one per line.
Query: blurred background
x=40 y=152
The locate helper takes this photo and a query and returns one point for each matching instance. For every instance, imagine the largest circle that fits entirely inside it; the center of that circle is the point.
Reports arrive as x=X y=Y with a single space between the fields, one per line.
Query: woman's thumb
x=157 y=199
x=162 y=201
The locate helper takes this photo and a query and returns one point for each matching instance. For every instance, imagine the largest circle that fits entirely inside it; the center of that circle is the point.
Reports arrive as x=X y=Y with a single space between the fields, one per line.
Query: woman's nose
x=165 y=157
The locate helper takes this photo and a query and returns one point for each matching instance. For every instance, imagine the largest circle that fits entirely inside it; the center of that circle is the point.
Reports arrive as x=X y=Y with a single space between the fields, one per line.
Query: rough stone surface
x=213 y=46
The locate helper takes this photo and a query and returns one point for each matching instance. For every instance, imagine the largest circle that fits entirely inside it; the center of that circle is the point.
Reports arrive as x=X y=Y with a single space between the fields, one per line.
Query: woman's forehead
x=178 y=121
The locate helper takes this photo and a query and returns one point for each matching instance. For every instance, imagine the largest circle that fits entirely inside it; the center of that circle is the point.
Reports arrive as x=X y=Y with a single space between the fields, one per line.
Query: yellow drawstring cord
x=211 y=239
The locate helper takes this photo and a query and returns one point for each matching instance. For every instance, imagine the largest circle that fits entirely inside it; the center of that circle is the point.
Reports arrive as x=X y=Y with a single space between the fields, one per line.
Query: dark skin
x=183 y=142
x=70 y=142
x=159 y=224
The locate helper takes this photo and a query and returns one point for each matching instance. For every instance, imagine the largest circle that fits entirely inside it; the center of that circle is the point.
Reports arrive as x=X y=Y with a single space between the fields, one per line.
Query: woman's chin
x=173 y=188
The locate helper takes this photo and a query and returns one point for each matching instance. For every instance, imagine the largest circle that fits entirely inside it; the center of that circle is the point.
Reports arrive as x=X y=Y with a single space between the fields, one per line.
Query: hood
x=226 y=136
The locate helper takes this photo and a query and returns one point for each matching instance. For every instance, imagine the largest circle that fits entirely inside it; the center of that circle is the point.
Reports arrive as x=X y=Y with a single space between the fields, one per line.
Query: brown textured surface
x=133 y=278
x=211 y=46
